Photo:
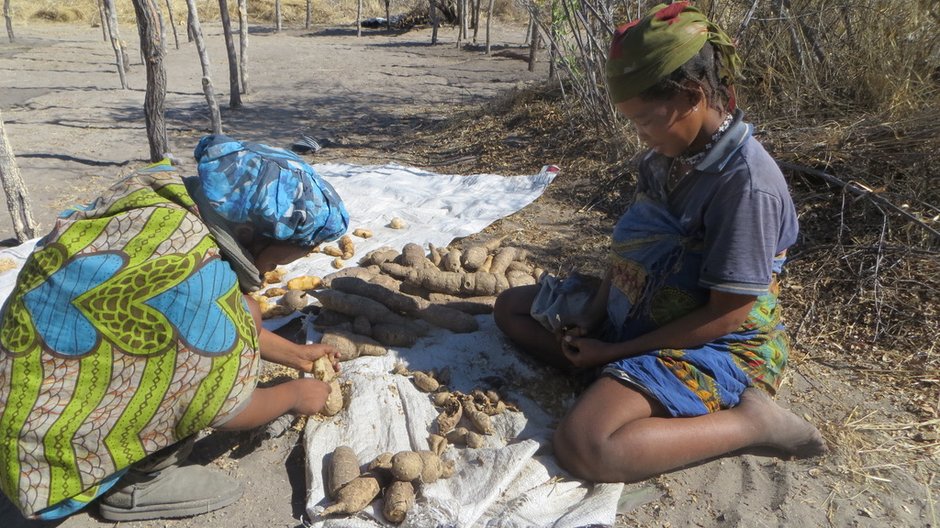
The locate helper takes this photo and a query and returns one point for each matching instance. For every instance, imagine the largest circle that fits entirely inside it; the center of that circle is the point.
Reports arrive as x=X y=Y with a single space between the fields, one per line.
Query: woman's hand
x=587 y=352
x=310 y=395
x=303 y=356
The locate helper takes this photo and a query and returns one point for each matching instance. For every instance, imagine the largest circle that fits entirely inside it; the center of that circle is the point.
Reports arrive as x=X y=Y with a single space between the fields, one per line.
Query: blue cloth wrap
x=270 y=188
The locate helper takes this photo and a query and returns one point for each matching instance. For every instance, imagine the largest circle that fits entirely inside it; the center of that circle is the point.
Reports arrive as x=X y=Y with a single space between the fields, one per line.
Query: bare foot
x=781 y=428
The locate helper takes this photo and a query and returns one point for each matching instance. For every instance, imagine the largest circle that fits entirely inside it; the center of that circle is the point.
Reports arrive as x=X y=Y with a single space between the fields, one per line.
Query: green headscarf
x=645 y=51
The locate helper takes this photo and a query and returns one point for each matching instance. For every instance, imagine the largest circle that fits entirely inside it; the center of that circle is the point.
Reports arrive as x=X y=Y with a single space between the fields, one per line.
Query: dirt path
x=75 y=131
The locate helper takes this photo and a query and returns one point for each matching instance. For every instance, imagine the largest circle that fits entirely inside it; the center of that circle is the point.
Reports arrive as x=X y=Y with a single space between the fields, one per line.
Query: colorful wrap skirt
x=655 y=269
x=126 y=332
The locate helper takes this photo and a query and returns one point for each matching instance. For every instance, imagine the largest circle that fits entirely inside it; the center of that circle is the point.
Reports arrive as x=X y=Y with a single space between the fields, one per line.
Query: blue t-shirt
x=736 y=203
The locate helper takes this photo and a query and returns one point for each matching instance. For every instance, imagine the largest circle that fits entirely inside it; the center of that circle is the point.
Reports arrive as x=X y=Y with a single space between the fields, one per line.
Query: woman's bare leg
x=617 y=434
x=512 y=315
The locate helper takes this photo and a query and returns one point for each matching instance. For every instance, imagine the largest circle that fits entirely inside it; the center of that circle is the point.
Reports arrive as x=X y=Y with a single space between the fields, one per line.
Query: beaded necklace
x=689 y=162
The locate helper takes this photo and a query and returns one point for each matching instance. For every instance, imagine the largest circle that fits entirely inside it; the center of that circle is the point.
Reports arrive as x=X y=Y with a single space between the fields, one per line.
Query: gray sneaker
x=176 y=491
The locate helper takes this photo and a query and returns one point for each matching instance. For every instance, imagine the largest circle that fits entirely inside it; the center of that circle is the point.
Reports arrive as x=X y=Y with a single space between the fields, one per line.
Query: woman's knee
x=511 y=304
x=580 y=451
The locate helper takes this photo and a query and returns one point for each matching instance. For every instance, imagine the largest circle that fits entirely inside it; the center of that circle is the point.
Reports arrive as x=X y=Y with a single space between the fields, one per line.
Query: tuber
x=362 y=232
x=350 y=346
x=502 y=260
x=323 y=371
x=451 y=261
x=393 y=300
x=304 y=282
x=397 y=223
x=449 y=318
x=343 y=468
x=424 y=465
x=412 y=255
x=364 y=273
x=347 y=247
x=294 y=300
x=424 y=382
x=473 y=257
x=406 y=465
x=399 y=498
x=355 y=495
x=338 y=263
x=378 y=256
x=478 y=419
x=437 y=443
x=333 y=251
x=449 y=416
x=395 y=335
x=274 y=292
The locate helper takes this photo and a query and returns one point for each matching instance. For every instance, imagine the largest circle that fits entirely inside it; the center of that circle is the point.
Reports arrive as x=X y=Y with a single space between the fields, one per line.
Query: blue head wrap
x=272 y=189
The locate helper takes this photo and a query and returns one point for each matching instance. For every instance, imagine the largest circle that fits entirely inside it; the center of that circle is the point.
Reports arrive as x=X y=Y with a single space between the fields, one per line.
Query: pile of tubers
x=395 y=297
x=397 y=473
x=475 y=409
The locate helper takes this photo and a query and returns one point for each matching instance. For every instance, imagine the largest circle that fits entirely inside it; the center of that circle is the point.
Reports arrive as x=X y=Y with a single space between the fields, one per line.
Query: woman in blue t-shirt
x=685 y=326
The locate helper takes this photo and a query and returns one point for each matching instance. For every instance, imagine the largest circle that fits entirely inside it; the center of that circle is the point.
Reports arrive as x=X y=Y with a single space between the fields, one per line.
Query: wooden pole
x=359 y=19
x=120 y=58
x=104 y=22
x=533 y=45
x=207 y=88
x=17 y=197
x=435 y=21
x=155 y=97
x=243 y=43
x=234 y=97
x=8 y=16
x=277 y=15
x=489 y=19
x=309 y=14
x=388 y=16
x=169 y=10
x=475 y=7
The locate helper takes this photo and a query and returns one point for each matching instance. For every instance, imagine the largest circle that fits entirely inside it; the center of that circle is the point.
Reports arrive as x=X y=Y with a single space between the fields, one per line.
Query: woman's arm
x=282 y=351
x=305 y=396
x=721 y=315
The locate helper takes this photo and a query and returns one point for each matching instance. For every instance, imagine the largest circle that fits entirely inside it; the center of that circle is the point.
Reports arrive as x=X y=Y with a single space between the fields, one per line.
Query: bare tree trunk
x=234 y=97
x=464 y=19
x=533 y=46
x=151 y=47
x=190 y=34
x=476 y=19
x=169 y=10
x=489 y=21
x=103 y=17
x=435 y=21
x=552 y=50
x=17 y=197
x=9 y=18
x=243 y=43
x=277 y=15
x=388 y=16
x=162 y=28
x=309 y=13
x=461 y=13
x=359 y=19
x=528 y=30
x=216 y=116
x=120 y=58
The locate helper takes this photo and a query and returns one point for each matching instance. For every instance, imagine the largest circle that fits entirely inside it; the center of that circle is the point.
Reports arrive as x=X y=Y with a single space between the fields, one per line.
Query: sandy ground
x=74 y=131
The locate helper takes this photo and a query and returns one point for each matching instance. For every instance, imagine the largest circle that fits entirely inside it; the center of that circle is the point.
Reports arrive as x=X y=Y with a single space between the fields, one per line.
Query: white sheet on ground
x=513 y=480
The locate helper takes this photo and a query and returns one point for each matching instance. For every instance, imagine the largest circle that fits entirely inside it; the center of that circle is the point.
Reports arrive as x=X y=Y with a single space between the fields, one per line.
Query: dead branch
x=859 y=191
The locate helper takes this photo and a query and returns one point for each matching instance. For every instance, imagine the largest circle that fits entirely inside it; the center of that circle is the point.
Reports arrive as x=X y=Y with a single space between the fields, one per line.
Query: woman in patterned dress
x=129 y=331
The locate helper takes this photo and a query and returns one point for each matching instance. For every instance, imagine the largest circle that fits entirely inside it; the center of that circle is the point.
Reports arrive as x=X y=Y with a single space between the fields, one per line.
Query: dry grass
x=293 y=12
